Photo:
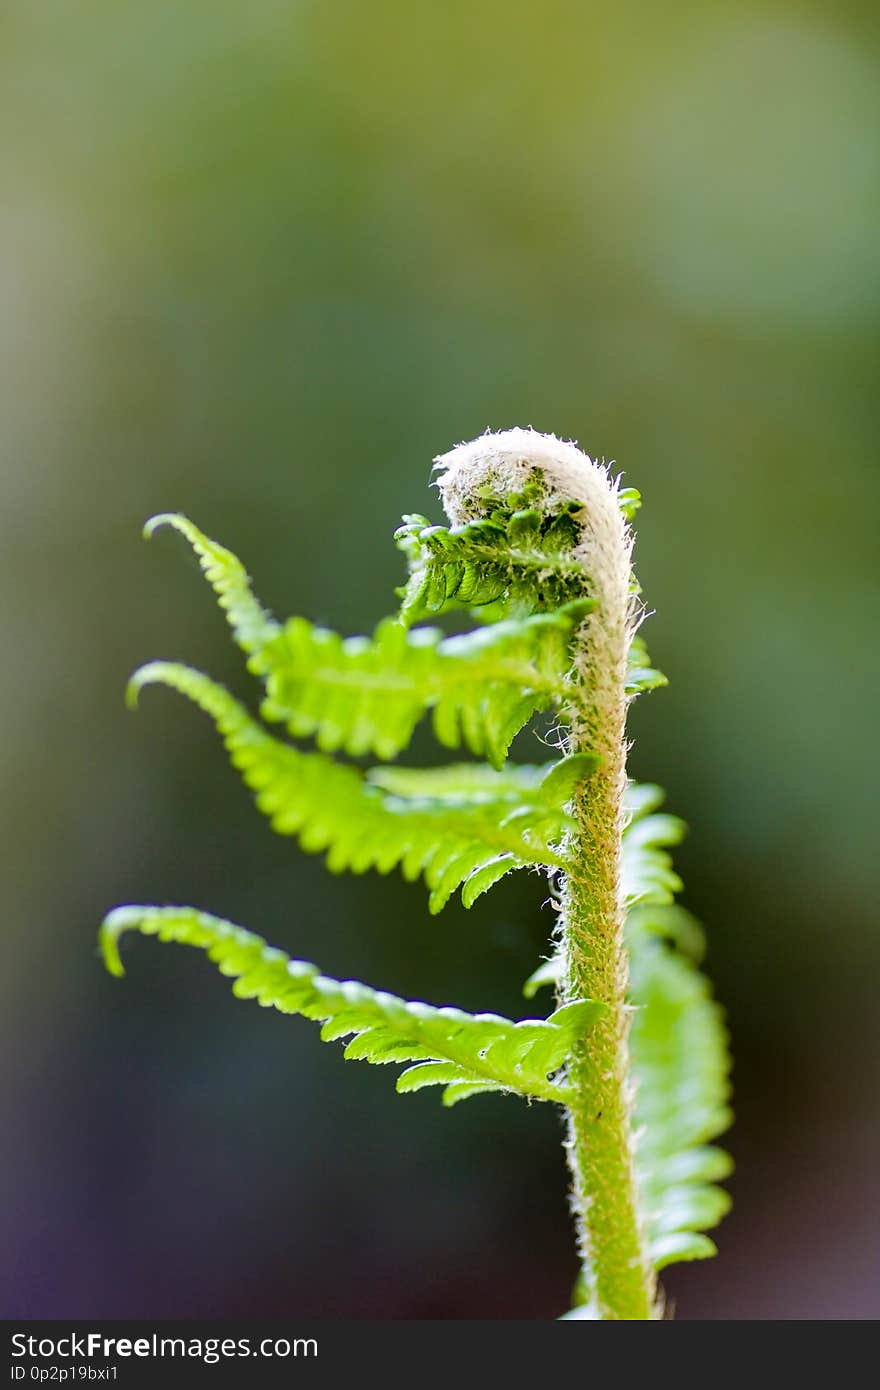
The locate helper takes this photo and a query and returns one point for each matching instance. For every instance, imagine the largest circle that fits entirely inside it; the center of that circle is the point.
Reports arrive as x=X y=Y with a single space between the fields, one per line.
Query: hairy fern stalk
x=537 y=552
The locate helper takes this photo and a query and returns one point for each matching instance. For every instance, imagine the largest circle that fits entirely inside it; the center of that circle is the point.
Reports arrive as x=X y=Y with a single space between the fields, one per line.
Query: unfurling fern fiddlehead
x=538 y=550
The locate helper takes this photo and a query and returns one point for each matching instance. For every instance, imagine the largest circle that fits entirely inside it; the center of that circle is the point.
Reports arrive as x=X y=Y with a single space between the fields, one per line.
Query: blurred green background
x=260 y=262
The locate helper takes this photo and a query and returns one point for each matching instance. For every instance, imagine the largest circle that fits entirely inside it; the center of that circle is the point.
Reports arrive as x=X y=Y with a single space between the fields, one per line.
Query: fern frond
x=335 y=809
x=363 y=695
x=520 y=785
x=252 y=627
x=517 y=554
x=680 y=1066
x=641 y=676
x=677 y=1045
x=640 y=799
x=646 y=871
x=467 y=1054
x=629 y=499
x=513 y=562
x=360 y=695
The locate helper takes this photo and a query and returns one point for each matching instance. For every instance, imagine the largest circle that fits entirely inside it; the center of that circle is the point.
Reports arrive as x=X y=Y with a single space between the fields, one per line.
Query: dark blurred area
x=260 y=262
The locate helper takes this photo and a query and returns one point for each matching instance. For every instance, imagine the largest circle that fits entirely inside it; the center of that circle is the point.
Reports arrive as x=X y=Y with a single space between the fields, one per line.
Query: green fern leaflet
x=466 y=1054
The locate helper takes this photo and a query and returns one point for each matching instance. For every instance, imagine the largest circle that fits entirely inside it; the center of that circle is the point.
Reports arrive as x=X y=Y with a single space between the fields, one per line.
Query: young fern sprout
x=538 y=552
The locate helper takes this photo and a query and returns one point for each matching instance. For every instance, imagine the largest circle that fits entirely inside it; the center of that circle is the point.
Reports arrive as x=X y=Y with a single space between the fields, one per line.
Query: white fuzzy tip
x=504 y=461
x=499 y=464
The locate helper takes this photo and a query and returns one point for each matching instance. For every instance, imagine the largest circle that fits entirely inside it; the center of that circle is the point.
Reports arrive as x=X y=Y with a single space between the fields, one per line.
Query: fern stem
x=618 y=1279
x=599 y=1145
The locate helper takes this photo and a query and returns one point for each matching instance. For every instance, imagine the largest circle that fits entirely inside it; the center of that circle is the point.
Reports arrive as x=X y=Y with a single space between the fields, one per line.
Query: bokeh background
x=260 y=262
